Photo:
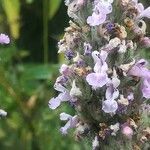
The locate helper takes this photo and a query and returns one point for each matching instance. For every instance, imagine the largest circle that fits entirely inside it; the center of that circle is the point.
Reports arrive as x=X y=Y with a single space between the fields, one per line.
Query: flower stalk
x=106 y=80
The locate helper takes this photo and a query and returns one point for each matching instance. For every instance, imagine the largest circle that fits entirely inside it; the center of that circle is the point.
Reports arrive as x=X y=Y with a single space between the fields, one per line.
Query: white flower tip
x=75 y=91
x=64 y=116
x=95 y=143
x=3 y=113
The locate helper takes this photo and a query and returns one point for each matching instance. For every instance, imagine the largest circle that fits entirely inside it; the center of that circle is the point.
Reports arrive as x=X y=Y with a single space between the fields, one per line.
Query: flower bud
x=127 y=131
x=145 y=42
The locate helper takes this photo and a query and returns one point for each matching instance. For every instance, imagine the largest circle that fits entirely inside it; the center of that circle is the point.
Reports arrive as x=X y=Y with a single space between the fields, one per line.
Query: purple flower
x=87 y=49
x=110 y=105
x=80 y=63
x=69 y=54
x=111 y=92
x=104 y=6
x=96 y=19
x=146 y=88
x=4 y=39
x=143 y=12
x=139 y=69
x=101 y=9
x=65 y=70
x=54 y=103
x=61 y=80
x=72 y=122
x=99 y=78
x=63 y=96
x=110 y=27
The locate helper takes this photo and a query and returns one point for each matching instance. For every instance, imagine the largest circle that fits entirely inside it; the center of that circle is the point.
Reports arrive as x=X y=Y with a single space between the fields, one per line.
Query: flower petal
x=64 y=96
x=110 y=106
x=70 y=124
x=146 y=88
x=65 y=116
x=59 y=87
x=97 y=79
x=96 y=19
x=54 y=103
x=64 y=130
x=145 y=13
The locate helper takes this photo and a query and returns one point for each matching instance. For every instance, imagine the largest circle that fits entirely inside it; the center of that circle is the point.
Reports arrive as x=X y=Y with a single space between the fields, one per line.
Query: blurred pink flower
x=4 y=39
x=127 y=131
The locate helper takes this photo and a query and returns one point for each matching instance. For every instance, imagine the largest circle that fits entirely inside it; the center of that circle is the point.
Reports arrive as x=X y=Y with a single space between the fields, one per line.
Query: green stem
x=45 y=29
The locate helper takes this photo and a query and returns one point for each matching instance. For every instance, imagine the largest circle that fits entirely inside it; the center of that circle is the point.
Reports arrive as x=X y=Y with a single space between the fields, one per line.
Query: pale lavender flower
x=103 y=6
x=99 y=78
x=61 y=79
x=4 y=39
x=65 y=70
x=63 y=96
x=110 y=105
x=146 y=88
x=100 y=11
x=54 y=102
x=87 y=49
x=143 y=12
x=96 y=19
x=111 y=93
x=139 y=69
x=72 y=122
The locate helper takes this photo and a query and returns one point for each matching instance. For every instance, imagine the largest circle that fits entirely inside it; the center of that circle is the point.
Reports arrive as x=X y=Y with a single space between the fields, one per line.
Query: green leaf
x=6 y=54
x=29 y=1
x=39 y=72
x=12 y=10
x=54 y=6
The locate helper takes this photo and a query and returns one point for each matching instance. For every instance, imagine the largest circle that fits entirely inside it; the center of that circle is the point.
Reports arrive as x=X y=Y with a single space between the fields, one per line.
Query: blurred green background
x=28 y=69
